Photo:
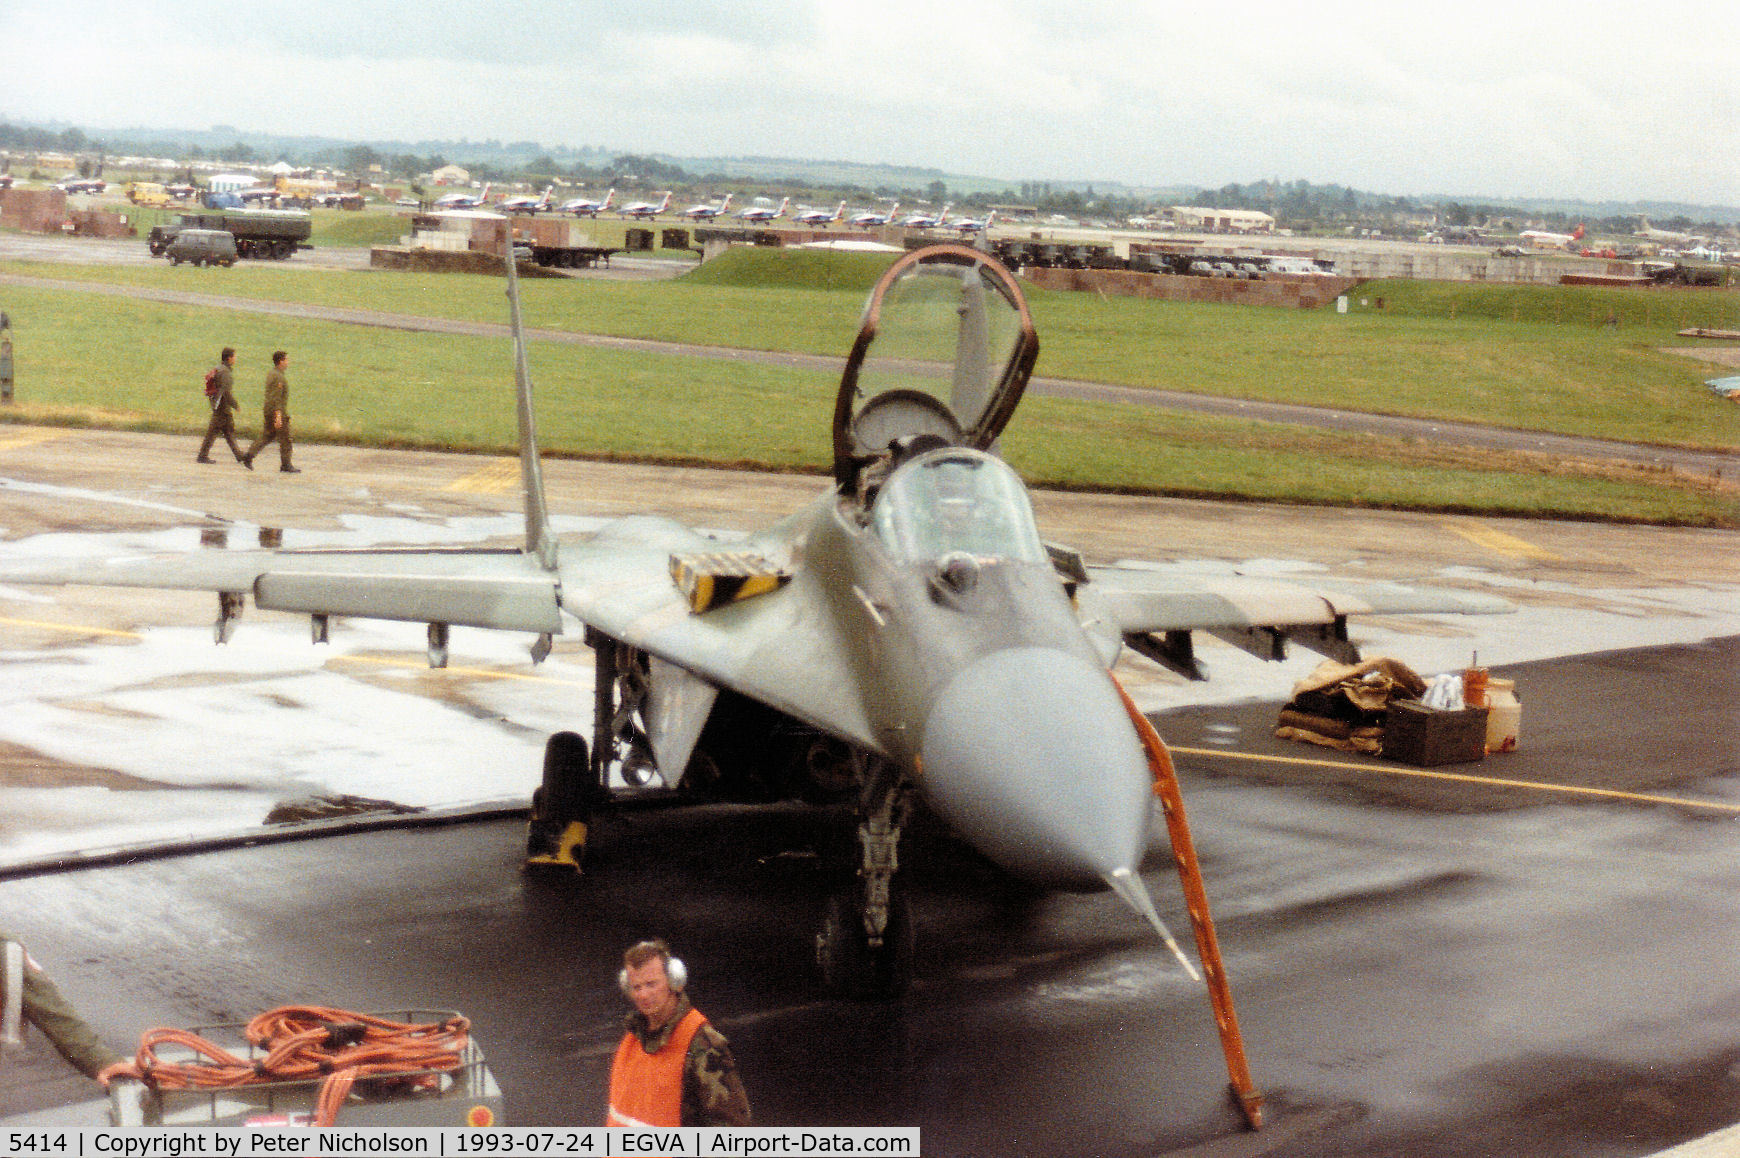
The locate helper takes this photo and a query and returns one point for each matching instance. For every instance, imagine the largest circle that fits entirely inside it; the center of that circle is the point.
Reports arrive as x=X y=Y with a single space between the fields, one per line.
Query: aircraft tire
x=567 y=767
x=849 y=966
x=841 y=955
x=563 y=798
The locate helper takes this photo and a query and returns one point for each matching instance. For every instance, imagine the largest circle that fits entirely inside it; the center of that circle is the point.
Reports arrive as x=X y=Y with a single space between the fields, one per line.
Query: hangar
x=1220 y=220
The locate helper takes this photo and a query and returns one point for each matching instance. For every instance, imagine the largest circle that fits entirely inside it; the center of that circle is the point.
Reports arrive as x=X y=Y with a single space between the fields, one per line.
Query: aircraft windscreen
x=946 y=330
x=956 y=501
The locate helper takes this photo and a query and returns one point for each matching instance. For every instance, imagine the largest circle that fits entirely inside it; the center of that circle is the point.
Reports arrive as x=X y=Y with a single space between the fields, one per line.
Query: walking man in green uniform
x=222 y=396
x=276 y=424
x=43 y=1006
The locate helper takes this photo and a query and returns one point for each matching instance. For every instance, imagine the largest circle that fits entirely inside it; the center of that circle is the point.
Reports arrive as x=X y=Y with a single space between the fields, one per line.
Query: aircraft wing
x=782 y=648
x=1155 y=613
x=503 y=589
x=1138 y=600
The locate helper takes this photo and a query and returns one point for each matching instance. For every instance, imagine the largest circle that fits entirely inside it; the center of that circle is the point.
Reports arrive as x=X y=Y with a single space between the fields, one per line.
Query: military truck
x=274 y=233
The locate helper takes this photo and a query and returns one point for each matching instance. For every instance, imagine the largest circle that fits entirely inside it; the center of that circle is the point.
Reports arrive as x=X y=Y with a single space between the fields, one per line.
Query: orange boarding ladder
x=1226 y=1019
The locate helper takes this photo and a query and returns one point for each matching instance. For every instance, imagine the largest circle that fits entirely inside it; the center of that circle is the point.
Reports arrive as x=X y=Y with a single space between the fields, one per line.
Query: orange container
x=1474 y=687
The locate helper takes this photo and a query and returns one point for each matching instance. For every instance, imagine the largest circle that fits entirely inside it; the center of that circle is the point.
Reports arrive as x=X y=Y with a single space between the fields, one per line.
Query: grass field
x=1439 y=351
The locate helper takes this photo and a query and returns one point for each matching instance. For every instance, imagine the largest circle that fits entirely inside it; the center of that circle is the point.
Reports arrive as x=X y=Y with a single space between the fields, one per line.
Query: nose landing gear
x=865 y=945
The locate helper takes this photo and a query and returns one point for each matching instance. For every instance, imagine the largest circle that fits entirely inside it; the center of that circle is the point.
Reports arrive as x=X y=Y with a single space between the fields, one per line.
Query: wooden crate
x=1416 y=734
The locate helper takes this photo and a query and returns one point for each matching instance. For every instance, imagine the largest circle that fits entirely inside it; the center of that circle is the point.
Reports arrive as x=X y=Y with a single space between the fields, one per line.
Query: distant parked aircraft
x=581 y=207
x=925 y=220
x=707 y=212
x=526 y=203
x=646 y=210
x=462 y=200
x=966 y=225
x=763 y=213
x=1543 y=239
x=1457 y=234
x=871 y=219
x=819 y=218
x=1646 y=230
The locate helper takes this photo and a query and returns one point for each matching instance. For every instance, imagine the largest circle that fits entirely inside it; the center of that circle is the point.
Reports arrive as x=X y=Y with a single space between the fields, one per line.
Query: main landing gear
x=576 y=776
x=864 y=945
x=561 y=806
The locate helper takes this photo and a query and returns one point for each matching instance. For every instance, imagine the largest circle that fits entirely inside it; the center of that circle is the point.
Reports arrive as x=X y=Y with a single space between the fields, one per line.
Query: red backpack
x=211 y=383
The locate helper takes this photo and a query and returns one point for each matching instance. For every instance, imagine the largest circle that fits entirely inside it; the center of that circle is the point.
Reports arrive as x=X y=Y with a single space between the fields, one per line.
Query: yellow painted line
x=30 y=438
x=1497 y=541
x=1464 y=778
x=498 y=477
x=71 y=628
x=423 y=665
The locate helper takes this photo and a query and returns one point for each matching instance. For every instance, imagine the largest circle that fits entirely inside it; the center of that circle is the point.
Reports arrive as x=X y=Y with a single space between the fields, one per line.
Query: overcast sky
x=1596 y=100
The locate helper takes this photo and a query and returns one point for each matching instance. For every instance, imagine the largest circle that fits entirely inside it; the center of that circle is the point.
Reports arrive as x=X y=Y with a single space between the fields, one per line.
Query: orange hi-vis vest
x=646 y=1089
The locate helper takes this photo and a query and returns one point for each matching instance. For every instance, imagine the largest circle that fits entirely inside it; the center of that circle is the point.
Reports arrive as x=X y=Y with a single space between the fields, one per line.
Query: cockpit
x=954 y=502
x=943 y=354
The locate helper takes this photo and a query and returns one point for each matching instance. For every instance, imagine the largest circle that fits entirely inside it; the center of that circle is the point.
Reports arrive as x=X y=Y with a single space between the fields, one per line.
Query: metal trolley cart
x=464 y=1095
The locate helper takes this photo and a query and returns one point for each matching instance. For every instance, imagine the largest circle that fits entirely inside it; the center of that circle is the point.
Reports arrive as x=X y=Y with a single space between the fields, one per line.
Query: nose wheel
x=853 y=967
x=866 y=942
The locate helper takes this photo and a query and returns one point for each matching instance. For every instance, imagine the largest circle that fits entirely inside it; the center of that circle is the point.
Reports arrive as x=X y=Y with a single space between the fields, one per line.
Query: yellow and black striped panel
x=715 y=579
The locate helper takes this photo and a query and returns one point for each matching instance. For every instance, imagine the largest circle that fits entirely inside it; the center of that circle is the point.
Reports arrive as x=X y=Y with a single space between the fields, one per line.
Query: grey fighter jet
x=907 y=638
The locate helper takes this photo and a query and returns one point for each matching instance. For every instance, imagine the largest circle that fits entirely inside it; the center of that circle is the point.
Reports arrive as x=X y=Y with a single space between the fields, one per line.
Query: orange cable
x=305 y=1043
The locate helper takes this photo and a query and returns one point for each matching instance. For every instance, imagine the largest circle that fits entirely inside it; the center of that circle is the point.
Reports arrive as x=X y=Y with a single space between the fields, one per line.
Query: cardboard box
x=1416 y=734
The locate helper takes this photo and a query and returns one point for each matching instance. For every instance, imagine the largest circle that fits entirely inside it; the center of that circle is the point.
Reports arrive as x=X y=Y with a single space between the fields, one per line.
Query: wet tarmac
x=1423 y=967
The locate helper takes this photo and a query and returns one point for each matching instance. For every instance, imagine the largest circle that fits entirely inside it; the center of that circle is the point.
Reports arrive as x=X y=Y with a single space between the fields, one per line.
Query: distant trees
x=26 y=139
x=359 y=158
x=650 y=170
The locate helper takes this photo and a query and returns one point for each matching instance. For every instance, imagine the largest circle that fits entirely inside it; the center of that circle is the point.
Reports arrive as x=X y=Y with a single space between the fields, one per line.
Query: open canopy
x=945 y=349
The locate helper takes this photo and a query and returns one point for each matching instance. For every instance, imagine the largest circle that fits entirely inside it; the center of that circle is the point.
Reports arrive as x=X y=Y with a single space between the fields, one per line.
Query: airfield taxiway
x=1423 y=966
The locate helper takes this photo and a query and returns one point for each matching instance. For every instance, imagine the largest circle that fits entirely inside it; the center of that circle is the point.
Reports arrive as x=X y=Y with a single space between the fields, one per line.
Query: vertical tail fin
x=540 y=542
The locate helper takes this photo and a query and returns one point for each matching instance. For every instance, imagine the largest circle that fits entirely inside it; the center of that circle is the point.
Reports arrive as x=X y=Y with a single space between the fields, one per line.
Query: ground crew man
x=223 y=407
x=44 y=1007
x=275 y=423
x=672 y=1068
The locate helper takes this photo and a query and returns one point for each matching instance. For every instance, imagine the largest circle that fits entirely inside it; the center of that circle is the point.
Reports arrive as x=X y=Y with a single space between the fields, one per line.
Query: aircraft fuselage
x=981 y=686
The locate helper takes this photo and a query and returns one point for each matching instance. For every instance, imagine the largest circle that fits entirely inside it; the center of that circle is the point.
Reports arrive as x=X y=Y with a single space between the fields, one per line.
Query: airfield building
x=1198 y=220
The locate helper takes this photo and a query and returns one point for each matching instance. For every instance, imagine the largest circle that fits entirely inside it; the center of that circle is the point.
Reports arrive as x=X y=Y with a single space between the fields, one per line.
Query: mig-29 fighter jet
x=908 y=638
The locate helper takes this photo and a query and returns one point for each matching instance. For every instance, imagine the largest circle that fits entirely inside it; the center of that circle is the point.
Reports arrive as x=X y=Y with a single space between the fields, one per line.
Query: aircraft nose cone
x=1029 y=754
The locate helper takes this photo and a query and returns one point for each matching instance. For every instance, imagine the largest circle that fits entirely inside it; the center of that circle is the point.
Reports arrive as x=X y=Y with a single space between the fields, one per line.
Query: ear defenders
x=675 y=972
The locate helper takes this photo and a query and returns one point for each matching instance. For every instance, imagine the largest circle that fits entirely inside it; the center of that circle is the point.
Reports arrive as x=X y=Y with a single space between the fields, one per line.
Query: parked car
x=202 y=247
